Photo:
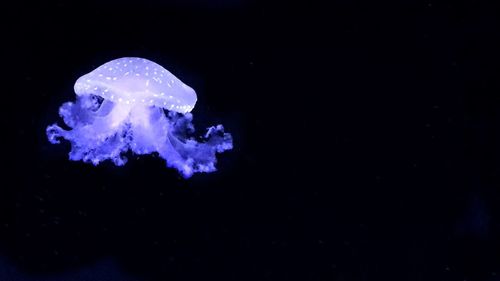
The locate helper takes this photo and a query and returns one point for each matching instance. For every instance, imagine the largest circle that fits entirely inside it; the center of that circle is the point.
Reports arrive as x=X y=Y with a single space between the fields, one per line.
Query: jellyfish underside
x=102 y=129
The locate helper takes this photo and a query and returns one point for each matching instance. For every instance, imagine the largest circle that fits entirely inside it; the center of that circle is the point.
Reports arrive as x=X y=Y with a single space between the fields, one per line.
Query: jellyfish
x=134 y=104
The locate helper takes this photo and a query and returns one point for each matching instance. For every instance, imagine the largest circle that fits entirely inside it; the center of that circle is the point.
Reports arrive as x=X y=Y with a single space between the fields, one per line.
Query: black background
x=366 y=143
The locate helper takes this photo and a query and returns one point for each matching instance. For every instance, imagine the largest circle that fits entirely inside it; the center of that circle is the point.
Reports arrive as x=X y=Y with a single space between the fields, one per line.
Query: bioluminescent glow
x=121 y=106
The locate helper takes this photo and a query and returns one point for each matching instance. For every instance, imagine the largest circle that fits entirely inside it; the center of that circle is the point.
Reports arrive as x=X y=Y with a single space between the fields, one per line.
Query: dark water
x=366 y=143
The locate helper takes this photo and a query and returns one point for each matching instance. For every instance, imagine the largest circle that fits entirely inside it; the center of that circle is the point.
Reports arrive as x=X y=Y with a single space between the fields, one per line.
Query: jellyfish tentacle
x=54 y=133
x=199 y=156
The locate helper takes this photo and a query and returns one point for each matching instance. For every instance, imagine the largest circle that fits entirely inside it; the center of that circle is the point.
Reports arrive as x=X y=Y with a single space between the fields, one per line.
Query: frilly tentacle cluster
x=101 y=130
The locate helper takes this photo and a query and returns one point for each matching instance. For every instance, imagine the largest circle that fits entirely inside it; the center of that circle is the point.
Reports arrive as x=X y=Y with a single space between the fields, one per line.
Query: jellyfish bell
x=128 y=114
x=133 y=81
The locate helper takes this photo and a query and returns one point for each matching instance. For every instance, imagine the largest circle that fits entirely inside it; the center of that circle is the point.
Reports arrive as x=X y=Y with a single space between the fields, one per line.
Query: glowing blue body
x=121 y=106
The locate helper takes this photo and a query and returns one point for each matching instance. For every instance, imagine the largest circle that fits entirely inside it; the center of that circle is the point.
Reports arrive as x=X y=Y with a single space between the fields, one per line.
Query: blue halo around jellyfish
x=121 y=106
